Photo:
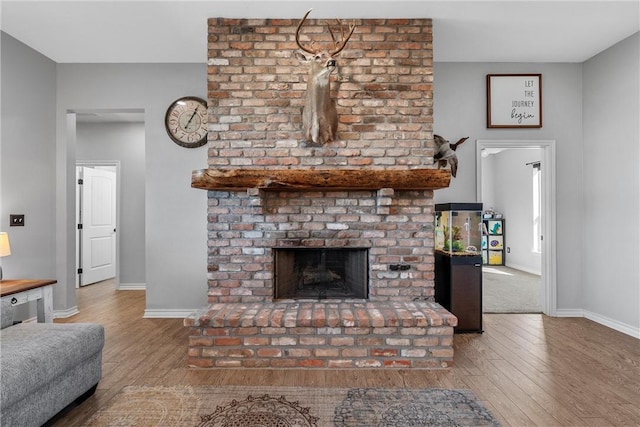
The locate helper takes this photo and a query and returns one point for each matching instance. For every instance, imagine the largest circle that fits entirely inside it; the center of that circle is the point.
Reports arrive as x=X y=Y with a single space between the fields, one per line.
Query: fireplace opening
x=321 y=273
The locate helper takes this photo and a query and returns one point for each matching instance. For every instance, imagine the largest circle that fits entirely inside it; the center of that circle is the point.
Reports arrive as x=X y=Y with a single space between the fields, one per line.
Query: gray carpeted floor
x=506 y=290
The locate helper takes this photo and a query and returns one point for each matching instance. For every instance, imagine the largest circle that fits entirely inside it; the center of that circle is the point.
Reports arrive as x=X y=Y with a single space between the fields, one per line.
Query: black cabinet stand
x=459 y=289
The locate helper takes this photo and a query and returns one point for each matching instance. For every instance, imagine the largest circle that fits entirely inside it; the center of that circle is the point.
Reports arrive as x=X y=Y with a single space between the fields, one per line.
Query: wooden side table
x=25 y=290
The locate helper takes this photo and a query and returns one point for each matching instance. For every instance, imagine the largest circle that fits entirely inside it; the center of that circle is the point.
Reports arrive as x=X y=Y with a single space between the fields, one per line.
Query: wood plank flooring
x=527 y=369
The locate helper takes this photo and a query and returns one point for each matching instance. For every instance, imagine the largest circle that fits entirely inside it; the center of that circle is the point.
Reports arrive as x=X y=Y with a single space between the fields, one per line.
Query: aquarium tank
x=458 y=229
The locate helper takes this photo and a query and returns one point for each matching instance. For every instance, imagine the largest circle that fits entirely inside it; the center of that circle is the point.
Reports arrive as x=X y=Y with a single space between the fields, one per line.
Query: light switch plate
x=16 y=220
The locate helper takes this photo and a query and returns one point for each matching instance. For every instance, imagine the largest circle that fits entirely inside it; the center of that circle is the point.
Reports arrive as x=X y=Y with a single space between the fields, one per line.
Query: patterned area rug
x=236 y=406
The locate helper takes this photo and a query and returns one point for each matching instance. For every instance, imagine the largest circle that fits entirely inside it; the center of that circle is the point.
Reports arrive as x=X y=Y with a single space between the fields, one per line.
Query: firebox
x=321 y=273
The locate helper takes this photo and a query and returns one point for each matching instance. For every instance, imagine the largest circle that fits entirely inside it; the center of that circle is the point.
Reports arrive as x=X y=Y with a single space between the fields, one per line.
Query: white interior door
x=98 y=225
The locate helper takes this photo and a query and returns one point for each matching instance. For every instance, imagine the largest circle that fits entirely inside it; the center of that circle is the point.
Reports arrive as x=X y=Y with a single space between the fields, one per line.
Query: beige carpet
x=237 y=406
x=506 y=290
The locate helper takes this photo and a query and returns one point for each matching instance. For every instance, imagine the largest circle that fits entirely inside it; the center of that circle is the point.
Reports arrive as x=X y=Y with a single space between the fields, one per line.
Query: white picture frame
x=514 y=100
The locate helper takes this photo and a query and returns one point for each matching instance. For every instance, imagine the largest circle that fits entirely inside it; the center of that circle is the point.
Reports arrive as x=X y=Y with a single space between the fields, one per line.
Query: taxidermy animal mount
x=446 y=153
x=319 y=116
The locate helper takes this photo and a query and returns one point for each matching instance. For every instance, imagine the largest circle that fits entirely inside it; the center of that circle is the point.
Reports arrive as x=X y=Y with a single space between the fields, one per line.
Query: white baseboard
x=603 y=320
x=525 y=269
x=132 y=287
x=63 y=314
x=168 y=314
x=613 y=324
x=569 y=312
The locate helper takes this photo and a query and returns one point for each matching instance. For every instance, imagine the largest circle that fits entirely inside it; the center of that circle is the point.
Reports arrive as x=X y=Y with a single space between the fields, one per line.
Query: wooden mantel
x=312 y=179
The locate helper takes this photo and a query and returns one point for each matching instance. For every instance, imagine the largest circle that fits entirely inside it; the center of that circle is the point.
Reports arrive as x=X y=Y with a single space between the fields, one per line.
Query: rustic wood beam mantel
x=312 y=179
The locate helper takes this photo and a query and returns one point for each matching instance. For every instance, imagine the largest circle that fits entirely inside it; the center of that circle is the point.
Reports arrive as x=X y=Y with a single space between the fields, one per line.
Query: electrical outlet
x=16 y=220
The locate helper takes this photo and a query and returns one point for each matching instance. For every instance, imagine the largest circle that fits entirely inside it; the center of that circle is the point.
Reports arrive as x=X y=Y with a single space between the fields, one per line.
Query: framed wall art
x=514 y=100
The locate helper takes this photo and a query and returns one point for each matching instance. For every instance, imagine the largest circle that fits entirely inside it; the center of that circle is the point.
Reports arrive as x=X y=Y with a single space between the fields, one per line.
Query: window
x=537 y=209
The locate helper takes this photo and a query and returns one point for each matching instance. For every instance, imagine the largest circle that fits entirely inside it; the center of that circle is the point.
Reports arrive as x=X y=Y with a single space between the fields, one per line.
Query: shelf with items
x=493 y=244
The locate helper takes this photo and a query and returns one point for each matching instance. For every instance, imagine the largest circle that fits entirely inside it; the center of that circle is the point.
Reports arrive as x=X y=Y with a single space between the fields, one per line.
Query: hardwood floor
x=527 y=369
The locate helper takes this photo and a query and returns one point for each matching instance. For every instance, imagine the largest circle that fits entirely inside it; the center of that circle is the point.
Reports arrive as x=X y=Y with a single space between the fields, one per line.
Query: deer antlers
x=338 y=45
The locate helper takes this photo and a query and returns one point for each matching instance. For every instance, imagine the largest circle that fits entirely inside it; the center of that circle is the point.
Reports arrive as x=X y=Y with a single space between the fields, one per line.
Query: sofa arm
x=6 y=313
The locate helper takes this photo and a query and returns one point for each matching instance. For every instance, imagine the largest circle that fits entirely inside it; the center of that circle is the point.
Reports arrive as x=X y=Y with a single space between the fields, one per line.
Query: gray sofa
x=44 y=367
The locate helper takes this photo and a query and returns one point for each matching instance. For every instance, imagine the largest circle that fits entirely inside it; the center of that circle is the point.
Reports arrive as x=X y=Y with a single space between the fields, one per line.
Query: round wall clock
x=186 y=121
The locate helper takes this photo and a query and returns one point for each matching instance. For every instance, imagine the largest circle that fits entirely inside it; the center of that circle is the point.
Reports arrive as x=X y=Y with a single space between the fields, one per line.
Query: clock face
x=186 y=121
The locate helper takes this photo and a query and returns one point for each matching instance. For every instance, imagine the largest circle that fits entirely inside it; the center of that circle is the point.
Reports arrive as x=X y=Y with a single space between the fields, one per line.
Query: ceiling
x=120 y=31
x=110 y=116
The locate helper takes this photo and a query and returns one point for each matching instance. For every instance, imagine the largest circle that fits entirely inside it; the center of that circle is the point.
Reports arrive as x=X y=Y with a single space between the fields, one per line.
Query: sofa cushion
x=35 y=353
x=6 y=313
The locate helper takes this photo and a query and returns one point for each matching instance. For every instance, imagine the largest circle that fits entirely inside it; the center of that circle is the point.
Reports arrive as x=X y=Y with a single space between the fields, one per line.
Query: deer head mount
x=319 y=116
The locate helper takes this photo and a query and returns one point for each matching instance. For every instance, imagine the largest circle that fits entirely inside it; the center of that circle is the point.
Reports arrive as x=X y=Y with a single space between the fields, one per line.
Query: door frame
x=548 y=196
x=116 y=165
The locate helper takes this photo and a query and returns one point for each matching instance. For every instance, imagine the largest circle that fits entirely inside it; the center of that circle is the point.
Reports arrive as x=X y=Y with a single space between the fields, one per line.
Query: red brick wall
x=382 y=86
x=383 y=89
x=322 y=335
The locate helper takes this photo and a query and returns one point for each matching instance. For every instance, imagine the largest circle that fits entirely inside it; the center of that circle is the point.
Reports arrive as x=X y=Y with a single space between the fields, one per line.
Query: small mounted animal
x=446 y=153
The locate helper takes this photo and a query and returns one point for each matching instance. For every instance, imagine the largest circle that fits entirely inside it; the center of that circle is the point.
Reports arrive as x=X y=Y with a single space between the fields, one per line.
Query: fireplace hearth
x=320 y=273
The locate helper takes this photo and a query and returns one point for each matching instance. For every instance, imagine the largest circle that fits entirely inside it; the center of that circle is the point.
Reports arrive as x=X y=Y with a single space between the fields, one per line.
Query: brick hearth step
x=322 y=334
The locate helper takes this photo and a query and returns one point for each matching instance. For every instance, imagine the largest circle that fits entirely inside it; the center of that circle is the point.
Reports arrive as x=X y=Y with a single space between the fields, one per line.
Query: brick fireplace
x=364 y=202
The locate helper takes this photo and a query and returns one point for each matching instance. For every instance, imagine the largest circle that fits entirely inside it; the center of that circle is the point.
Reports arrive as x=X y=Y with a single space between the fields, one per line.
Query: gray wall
x=488 y=180
x=459 y=110
x=175 y=214
x=38 y=170
x=605 y=285
x=27 y=159
x=611 y=157
x=512 y=195
x=122 y=141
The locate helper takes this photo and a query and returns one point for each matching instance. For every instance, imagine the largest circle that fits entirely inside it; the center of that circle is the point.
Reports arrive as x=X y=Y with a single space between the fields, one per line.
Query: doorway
x=544 y=151
x=119 y=137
